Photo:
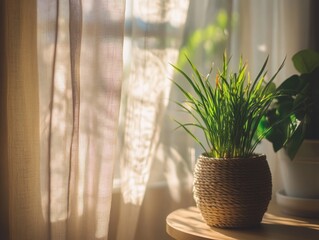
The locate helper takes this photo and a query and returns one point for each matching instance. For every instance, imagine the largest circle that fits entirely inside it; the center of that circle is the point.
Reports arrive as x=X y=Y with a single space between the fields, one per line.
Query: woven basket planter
x=234 y=192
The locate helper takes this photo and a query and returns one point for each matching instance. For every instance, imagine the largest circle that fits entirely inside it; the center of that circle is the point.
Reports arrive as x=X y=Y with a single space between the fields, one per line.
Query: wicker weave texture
x=232 y=193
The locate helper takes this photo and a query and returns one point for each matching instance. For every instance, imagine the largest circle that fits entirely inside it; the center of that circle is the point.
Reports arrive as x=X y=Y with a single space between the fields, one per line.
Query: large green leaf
x=295 y=141
x=306 y=61
x=290 y=85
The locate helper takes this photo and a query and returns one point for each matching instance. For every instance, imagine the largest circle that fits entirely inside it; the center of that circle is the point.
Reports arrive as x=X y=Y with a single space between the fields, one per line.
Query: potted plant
x=232 y=184
x=297 y=136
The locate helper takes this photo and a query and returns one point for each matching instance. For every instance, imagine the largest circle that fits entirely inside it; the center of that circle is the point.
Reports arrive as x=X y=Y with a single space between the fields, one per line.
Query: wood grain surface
x=187 y=224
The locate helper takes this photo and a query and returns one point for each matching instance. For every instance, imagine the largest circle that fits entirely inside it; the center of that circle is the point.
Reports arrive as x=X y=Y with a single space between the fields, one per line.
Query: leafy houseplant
x=232 y=184
x=297 y=136
x=299 y=98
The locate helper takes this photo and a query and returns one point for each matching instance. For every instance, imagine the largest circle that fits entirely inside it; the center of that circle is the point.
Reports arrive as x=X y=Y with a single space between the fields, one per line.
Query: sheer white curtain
x=80 y=70
x=60 y=85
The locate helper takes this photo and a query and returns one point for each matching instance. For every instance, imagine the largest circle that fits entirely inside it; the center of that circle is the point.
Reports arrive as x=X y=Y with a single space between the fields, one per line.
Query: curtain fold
x=74 y=225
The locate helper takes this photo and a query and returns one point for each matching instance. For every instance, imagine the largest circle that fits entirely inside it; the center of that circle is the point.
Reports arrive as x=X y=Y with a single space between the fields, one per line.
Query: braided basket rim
x=254 y=156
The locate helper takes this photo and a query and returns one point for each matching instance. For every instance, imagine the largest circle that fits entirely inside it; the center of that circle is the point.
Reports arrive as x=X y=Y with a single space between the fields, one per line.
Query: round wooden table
x=187 y=224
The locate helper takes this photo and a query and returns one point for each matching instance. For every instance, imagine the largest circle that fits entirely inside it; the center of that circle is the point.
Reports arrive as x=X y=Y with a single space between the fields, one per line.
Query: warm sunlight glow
x=61 y=126
x=148 y=89
x=175 y=11
x=148 y=95
x=190 y=221
x=262 y=48
x=178 y=174
x=274 y=219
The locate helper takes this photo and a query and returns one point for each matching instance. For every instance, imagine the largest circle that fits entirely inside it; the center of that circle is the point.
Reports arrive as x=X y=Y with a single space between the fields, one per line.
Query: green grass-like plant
x=227 y=110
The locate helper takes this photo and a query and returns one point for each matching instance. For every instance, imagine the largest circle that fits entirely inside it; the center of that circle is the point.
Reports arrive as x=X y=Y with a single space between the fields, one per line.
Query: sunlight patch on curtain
x=157 y=27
